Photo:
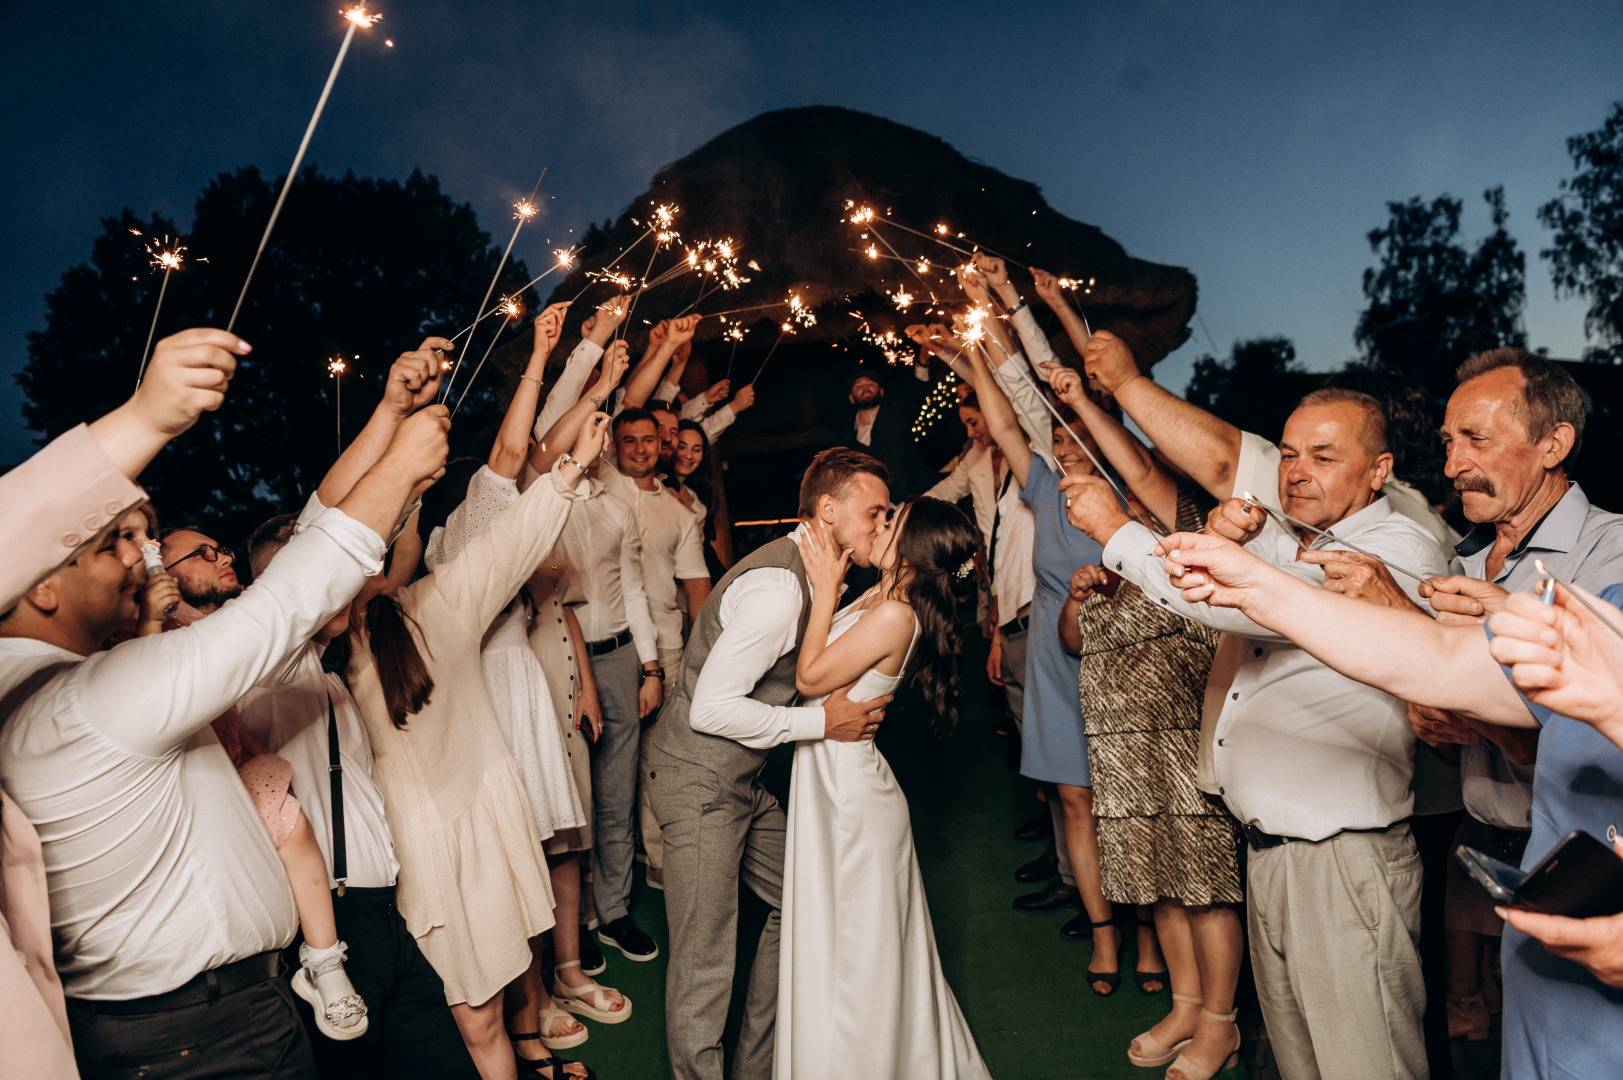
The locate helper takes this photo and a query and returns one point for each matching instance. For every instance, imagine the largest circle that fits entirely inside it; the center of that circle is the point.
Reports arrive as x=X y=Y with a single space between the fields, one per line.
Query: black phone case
x=1581 y=878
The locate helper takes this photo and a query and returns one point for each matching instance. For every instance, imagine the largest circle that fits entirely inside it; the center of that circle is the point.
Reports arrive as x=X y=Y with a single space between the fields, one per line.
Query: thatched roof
x=779 y=184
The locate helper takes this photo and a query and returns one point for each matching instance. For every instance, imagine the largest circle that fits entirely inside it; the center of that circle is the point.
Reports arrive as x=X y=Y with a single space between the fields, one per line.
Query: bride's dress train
x=860 y=988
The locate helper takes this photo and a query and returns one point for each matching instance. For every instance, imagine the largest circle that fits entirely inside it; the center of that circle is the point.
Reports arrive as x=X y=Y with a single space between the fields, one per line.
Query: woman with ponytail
x=860 y=988
x=473 y=883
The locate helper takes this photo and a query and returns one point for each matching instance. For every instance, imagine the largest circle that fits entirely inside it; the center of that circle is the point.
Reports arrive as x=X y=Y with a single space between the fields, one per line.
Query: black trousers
x=251 y=1033
x=410 y=1031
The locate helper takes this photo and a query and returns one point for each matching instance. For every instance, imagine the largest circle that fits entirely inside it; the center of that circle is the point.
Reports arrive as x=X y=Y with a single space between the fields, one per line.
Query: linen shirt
x=760 y=620
x=288 y=713
x=1297 y=749
x=672 y=548
x=1584 y=545
x=603 y=552
x=158 y=865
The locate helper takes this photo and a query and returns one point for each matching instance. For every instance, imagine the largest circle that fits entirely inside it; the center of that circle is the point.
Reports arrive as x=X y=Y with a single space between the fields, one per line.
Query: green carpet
x=1021 y=985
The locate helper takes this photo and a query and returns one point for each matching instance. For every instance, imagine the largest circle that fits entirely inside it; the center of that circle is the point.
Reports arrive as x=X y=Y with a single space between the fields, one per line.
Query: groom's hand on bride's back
x=845 y=720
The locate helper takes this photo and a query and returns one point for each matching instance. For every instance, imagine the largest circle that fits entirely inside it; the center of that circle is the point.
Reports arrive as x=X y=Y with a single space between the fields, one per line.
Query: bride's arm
x=823 y=667
x=881 y=635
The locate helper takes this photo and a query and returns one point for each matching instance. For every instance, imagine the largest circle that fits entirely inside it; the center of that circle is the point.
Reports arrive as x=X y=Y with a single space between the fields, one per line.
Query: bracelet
x=569 y=459
x=531 y=378
x=657 y=673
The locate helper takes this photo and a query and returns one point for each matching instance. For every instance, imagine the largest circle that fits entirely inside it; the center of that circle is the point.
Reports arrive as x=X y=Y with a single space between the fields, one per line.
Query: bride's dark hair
x=935 y=551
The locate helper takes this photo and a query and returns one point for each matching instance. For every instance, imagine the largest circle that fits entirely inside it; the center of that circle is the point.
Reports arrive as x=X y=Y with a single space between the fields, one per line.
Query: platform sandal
x=1184 y=1069
x=1147 y=1051
x=534 y=1066
x=578 y=999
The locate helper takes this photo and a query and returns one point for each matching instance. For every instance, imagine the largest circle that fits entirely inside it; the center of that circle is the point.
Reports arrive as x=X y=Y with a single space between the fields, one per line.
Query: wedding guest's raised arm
x=1018 y=312
x=973 y=282
x=596 y=331
x=650 y=369
x=87 y=472
x=512 y=443
x=1407 y=655
x=1131 y=459
x=413 y=382
x=1198 y=443
x=566 y=429
x=1001 y=421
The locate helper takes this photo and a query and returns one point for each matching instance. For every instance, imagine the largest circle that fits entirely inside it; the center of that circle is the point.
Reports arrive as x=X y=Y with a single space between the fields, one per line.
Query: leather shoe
x=1057 y=896
x=1079 y=928
x=1040 y=827
x=1044 y=867
x=624 y=935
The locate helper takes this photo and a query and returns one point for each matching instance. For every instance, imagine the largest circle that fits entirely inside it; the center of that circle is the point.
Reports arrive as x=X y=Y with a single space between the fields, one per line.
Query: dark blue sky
x=1254 y=143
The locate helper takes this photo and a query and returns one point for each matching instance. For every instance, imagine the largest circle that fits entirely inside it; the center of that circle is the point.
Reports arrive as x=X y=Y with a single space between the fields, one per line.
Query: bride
x=860 y=988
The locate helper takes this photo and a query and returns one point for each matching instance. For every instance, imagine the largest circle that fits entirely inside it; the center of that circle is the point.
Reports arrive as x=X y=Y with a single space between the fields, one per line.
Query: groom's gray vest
x=672 y=734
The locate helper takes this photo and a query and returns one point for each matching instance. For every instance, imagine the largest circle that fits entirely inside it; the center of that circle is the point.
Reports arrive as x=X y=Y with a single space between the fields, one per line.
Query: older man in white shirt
x=169 y=904
x=1316 y=767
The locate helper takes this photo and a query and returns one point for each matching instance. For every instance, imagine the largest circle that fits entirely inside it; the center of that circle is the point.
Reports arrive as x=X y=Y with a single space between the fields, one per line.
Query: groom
x=729 y=708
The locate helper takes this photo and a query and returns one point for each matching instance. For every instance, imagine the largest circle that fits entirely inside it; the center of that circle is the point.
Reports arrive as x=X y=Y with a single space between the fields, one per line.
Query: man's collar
x=1377 y=511
x=1557 y=530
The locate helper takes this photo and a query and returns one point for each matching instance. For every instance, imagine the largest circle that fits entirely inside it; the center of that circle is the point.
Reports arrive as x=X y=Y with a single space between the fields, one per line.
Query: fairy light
x=943 y=397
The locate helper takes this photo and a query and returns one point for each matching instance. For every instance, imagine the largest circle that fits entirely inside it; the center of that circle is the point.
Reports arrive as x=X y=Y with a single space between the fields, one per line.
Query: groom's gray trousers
x=716 y=835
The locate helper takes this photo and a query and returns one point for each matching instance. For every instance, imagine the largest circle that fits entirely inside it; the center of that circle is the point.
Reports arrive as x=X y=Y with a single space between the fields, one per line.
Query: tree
x=1255 y=388
x=1432 y=303
x=365 y=268
x=1586 y=258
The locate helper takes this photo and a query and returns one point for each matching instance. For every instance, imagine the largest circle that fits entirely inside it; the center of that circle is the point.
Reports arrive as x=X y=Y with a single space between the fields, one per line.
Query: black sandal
x=553 y=1062
x=1143 y=977
x=1111 y=979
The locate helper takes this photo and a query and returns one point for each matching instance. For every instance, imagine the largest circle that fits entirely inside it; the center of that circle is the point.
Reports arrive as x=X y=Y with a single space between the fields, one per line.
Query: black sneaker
x=1056 y=896
x=1044 y=867
x=623 y=934
x=592 y=961
x=1040 y=827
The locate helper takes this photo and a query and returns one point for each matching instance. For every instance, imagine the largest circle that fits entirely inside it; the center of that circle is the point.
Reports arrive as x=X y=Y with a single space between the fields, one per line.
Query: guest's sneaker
x=623 y=934
x=1044 y=867
x=592 y=961
x=1054 y=898
x=321 y=981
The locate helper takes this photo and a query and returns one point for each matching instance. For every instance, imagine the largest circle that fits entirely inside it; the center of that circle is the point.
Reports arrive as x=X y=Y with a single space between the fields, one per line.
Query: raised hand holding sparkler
x=357 y=17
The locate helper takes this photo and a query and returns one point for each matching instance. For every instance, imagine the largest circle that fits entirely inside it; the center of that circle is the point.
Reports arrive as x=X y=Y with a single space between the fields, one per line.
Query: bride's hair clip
x=966 y=569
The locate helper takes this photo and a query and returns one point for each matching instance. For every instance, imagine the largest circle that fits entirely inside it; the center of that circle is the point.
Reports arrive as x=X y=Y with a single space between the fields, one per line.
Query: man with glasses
x=204 y=571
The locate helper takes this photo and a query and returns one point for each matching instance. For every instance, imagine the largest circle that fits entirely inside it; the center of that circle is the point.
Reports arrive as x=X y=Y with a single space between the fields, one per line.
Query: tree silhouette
x=1432 y=303
x=358 y=267
x=1255 y=388
x=1586 y=258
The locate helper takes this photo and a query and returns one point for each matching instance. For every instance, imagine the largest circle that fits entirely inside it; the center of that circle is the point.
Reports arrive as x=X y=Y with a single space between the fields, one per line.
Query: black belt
x=200 y=989
x=1263 y=841
x=608 y=645
x=1017 y=625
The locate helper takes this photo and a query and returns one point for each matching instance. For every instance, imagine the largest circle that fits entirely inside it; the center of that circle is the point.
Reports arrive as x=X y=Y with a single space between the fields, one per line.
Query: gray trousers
x=716 y=835
x=614 y=780
x=1334 y=929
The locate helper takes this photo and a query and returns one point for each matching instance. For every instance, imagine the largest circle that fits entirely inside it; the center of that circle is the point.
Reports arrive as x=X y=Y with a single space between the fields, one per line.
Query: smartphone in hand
x=1580 y=878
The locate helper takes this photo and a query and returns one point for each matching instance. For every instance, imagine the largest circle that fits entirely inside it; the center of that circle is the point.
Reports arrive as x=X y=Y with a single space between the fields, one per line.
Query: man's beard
x=211 y=598
x=1473 y=482
x=865 y=400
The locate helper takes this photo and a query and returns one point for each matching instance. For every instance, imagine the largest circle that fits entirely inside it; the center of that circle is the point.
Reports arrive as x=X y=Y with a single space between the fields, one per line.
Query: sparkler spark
x=524 y=209
x=872 y=251
x=903 y=298
x=359 y=16
x=565 y=257
x=336 y=366
x=511 y=308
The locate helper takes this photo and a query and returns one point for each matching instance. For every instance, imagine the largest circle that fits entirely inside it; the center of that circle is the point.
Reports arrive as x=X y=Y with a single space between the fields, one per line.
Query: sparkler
x=523 y=210
x=1576 y=595
x=336 y=368
x=510 y=309
x=357 y=17
x=168 y=261
x=1285 y=521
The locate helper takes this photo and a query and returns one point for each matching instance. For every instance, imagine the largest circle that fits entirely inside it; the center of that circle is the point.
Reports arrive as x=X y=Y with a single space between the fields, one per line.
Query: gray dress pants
x=717 y=834
x=614 y=780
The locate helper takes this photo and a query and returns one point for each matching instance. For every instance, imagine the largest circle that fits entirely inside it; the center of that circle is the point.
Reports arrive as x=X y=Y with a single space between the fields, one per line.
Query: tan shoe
x=1147 y=1051
x=1184 y=1069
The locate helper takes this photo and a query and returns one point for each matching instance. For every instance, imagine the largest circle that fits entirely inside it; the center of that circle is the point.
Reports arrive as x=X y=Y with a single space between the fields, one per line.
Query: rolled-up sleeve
x=761 y=614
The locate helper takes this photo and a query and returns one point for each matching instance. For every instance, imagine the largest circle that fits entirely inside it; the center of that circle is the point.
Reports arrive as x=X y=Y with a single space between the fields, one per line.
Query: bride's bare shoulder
x=893 y=615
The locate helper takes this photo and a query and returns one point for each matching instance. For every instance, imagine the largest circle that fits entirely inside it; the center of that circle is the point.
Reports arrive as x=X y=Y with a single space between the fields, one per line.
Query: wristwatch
x=1020 y=303
x=656 y=673
x=569 y=459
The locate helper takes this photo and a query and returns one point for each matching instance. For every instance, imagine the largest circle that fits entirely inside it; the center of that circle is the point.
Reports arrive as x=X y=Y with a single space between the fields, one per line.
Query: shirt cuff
x=806 y=723
x=581 y=489
x=1125 y=552
x=359 y=542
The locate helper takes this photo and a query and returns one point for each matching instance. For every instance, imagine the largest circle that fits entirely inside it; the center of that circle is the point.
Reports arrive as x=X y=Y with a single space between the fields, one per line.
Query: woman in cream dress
x=860 y=987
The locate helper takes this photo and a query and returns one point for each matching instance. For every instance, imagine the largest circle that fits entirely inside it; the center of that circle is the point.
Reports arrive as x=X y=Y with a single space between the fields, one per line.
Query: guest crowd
x=360 y=794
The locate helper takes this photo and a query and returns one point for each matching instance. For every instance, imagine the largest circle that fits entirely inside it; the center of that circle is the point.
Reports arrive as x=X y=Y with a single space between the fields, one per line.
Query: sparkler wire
x=522 y=218
x=146 y=353
x=1285 y=521
x=1576 y=595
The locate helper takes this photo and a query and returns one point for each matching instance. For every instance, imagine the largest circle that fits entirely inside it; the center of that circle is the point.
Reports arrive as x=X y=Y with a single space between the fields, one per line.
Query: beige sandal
x=1184 y=1069
x=1147 y=1051
x=559 y=1042
x=591 y=1001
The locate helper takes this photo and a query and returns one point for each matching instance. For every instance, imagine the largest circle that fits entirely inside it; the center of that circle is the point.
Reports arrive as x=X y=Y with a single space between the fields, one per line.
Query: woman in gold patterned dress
x=1162 y=840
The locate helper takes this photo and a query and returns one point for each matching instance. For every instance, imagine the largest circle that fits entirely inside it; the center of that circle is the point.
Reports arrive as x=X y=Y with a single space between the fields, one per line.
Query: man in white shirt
x=1317 y=768
x=169 y=904
x=730 y=706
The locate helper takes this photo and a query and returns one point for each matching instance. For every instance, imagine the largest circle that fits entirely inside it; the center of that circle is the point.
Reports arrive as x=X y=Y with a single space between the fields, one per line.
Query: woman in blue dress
x=1054 y=749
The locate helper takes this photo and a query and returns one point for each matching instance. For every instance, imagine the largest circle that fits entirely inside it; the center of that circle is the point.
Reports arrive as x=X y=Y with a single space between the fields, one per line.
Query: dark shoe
x=1040 y=827
x=1054 y=898
x=592 y=961
x=1044 y=867
x=623 y=934
x=1144 y=978
x=1077 y=928
x=1111 y=979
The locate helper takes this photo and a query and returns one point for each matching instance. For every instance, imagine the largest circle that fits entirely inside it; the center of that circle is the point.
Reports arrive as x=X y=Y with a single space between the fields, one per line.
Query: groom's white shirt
x=760 y=619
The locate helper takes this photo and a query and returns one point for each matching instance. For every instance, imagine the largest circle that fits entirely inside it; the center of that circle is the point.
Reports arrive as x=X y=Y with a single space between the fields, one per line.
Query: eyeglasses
x=209 y=552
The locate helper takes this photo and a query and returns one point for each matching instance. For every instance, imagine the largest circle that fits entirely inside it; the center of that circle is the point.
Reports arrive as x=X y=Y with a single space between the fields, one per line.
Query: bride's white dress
x=860 y=989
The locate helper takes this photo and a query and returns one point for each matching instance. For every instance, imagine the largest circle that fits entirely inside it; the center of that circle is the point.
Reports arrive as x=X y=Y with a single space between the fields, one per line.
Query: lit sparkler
x=336 y=368
x=523 y=210
x=510 y=309
x=168 y=260
x=358 y=18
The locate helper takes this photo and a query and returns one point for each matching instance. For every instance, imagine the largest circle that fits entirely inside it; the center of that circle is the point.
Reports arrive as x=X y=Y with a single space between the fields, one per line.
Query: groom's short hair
x=832 y=472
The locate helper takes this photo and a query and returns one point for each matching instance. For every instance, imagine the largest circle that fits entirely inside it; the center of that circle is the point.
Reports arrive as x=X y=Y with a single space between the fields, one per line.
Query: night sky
x=1255 y=144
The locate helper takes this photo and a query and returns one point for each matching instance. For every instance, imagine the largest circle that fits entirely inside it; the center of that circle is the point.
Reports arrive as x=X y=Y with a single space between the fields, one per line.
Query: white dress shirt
x=288 y=713
x=760 y=620
x=603 y=551
x=570 y=385
x=714 y=422
x=158 y=864
x=672 y=547
x=1296 y=748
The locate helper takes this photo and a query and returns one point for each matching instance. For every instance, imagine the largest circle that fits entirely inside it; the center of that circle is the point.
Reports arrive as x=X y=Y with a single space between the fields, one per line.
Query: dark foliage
x=1255 y=388
x=1586 y=255
x=1432 y=303
x=361 y=267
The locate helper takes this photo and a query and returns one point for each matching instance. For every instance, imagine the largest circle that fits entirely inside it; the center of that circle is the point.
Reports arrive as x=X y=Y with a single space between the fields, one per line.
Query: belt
x=200 y=989
x=1510 y=844
x=608 y=645
x=1016 y=625
x=1263 y=841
